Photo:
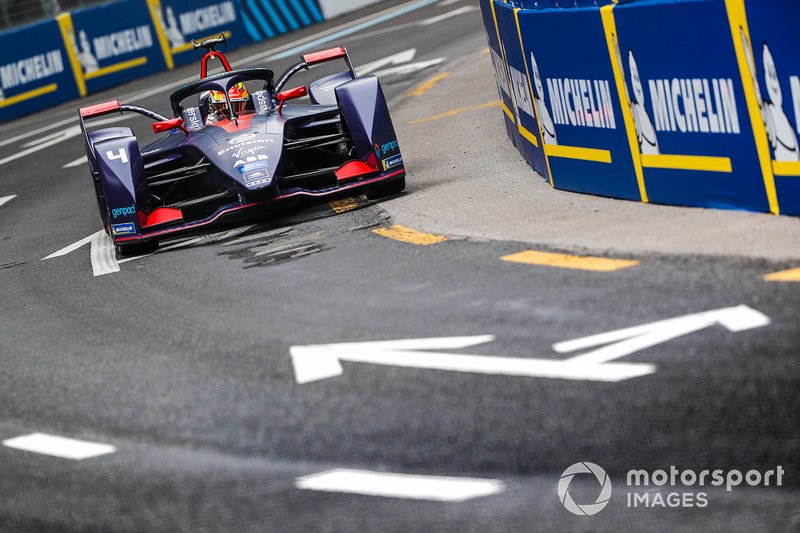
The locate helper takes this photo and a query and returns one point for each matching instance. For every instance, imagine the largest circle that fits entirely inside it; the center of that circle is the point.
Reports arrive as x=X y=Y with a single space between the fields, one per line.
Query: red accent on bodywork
x=372 y=160
x=100 y=109
x=216 y=216
x=231 y=127
x=210 y=55
x=291 y=94
x=325 y=55
x=163 y=215
x=354 y=169
x=166 y=125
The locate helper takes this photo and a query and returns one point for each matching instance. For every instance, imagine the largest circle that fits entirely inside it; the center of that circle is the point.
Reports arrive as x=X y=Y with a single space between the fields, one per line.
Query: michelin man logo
x=780 y=132
x=171 y=29
x=645 y=132
x=548 y=127
x=84 y=52
x=586 y=509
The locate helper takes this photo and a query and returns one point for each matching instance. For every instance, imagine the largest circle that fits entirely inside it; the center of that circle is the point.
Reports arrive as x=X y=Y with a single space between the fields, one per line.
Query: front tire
x=385 y=188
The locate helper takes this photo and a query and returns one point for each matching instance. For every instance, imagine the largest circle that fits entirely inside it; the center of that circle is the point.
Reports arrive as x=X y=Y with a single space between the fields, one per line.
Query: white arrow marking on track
x=5 y=199
x=59 y=446
x=321 y=361
x=399 y=58
x=103 y=254
x=82 y=160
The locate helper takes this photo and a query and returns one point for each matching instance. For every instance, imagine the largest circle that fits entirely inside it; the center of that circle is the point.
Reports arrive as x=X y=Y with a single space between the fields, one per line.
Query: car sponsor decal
x=391 y=146
x=127 y=228
x=392 y=162
x=242 y=163
x=123 y=211
x=242 y=138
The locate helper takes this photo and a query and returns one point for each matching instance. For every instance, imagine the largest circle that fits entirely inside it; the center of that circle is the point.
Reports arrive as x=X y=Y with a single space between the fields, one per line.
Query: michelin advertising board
x=38 y=78
x=181 y=21
x=683 y=102
x=111 y=44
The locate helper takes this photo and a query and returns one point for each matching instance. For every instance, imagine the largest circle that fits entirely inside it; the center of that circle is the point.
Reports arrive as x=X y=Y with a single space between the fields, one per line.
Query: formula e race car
x=236 y=145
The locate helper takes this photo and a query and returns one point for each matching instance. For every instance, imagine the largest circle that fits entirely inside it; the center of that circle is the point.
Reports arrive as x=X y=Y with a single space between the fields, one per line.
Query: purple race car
x=234 y=146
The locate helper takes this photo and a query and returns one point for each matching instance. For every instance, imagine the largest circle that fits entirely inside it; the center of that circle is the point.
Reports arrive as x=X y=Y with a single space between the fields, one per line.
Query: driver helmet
x=219 y=105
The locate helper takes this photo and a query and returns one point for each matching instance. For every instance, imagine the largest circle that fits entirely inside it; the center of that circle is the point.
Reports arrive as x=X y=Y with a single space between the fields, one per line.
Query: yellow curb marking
x=453 y=112
x=577 y=262
x=793 y=274
x=402 y=234
x=428 y=85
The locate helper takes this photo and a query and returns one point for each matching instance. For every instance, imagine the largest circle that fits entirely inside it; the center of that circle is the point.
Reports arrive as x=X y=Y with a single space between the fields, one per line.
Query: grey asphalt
x=181 y=359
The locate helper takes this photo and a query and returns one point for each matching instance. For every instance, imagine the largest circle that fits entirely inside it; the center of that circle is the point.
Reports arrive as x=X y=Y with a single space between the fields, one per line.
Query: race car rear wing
x=316 y=58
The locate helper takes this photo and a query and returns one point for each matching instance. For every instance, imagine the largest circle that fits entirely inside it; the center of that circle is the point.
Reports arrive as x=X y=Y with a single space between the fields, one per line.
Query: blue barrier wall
x=87 y=50
x=681 y=102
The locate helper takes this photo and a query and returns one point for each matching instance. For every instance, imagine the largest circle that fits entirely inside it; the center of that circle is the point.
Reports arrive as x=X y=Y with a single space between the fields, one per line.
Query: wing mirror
x=291 y=94
x=166 y=125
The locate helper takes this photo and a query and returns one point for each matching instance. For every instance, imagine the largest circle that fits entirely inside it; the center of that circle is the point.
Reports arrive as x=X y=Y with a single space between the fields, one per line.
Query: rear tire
x=385 y=189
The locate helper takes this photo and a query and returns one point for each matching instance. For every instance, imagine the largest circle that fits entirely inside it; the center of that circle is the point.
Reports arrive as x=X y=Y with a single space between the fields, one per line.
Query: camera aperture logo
x=684 y=488
x=589 y=508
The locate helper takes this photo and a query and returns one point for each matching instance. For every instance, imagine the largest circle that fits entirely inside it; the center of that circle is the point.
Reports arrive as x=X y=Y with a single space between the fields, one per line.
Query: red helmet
x=238 y=95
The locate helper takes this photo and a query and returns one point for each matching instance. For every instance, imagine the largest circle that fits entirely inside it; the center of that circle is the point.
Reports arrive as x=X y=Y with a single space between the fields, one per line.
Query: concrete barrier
x=680 y=102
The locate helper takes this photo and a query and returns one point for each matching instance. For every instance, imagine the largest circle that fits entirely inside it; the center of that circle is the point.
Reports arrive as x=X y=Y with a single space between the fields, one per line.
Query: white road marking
x=445 y=16
x=82 y=160
x=5 y=199
x=389 y=485
x=411 y=67
x=59 y=446
x=27 y=134
x=102 y=253
x=445 y=3
x=395 y=59
x=322 y=361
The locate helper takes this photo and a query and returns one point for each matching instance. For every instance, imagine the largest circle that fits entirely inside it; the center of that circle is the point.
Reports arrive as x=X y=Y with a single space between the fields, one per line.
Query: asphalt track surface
x=181 y=360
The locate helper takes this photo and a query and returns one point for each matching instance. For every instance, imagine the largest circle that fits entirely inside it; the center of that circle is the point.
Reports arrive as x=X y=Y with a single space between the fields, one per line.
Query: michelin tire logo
x=586 y=509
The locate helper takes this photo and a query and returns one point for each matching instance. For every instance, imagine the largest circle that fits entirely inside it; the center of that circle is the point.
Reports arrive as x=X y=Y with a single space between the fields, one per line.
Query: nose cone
x=249 y=158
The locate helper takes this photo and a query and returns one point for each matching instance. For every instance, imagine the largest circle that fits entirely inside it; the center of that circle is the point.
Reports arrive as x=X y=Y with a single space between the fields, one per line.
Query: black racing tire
x=385 y=188
x=137 y=249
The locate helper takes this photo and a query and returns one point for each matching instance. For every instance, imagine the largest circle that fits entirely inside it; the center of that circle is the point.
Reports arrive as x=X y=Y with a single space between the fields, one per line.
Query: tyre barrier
x=86 y=50
x=679 y=102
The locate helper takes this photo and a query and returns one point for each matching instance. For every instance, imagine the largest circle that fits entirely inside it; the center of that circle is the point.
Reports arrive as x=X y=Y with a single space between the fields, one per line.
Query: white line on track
x=104 y=255
x=5 y=199
x=82 y=160
x=436 y=488
x=445 y=16
x=58 y=446
x=445 y=3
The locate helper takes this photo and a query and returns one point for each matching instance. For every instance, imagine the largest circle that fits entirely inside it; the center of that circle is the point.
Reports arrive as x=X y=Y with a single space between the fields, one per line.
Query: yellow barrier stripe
x=11 y=100
x=576 y=152
x=528 y=135
x=426 y=86
x=456 y=111
x=530 y=88
x=505 y=64
x=786 y=168
x=68 y=35
x=403 y=234
x=687 y=162
x=738 y=23
x=610 y=27
x=343 y=205
x=125 y=65
x=155 y=15
x=575 y=262
x=189 y=46
x=793 y=274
